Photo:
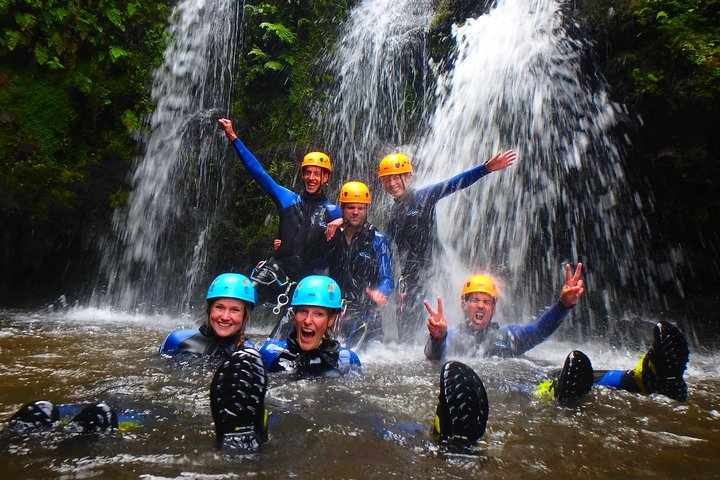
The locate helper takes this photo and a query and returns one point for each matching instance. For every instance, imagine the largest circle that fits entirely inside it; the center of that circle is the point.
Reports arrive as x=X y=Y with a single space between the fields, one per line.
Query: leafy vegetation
x=73 y=84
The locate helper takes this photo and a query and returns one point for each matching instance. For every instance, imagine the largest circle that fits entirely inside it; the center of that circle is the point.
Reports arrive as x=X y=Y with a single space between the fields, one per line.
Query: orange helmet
x=480 y=284
x=354 y=192
x=393 y=164
x=318 y=159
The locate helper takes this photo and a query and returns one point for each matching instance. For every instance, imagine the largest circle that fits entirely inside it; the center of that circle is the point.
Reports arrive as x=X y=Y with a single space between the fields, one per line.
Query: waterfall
x=378 y=65
x=517 y=81
x=157 y=255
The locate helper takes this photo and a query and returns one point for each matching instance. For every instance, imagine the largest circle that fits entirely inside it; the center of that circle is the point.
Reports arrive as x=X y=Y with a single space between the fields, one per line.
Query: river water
x=334 y=427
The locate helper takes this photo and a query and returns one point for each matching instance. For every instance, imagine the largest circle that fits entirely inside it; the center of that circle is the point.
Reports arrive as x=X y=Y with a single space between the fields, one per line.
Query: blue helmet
x=232 y=285
x=317 y=291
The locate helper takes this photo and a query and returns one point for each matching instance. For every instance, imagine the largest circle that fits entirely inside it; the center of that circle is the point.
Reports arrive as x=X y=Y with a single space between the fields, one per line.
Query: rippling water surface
x=351 y=427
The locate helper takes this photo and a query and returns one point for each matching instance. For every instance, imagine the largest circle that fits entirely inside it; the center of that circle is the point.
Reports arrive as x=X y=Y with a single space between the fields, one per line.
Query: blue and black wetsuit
x=507 y=341
x=364 y=262
x=303 y=219
x=202 y=341
x=413 y=228
x=286 y=356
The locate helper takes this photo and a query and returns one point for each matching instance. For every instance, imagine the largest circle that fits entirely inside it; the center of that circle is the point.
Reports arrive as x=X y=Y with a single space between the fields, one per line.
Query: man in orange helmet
x=358 y=258
x=413 y=227
x=478 y=300
x=303 y=219
x=659 y=371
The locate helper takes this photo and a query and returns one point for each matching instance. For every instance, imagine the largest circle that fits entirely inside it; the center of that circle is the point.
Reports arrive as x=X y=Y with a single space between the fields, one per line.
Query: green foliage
x=690 y=32
x=73 y=84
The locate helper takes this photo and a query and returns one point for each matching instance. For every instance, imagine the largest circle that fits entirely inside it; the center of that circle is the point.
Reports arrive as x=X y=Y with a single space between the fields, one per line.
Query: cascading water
x=158 y=253
x=379 y=61
x=517 y=82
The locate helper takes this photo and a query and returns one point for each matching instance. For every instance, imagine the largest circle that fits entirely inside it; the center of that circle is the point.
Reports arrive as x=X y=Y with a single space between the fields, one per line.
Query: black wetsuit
x=202 y=341
x=303 y=219
x=363 y=263
x=413 y=229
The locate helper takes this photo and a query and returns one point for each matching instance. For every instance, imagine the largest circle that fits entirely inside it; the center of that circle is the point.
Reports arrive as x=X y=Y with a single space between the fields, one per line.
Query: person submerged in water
x=659 y=371
x=239 y=386
x=358 y=257
x=413 y=227
x=303 y=220
x=230 y=299
x=478 y=332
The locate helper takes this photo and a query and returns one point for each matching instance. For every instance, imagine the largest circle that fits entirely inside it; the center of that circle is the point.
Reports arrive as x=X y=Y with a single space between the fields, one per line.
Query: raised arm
x=463 y=180
x=280 y=194
x=528 y=336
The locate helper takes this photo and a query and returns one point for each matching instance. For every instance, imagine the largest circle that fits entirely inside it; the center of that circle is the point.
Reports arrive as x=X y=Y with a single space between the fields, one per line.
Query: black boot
x=575 y=380
x=237 y=401
x=39 y=413
x=661 y=369
x=95 y=418
x=462 y=411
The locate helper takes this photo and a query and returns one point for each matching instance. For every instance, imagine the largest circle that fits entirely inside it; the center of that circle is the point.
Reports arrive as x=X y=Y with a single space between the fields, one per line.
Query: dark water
x=334 y=427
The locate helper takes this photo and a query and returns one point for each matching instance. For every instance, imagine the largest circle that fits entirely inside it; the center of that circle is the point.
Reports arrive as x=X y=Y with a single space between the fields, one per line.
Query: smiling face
x=478 y=309
x=314 y=178
x=311 y=323
x=396 y=184
x=354 y=214
x=227 y=316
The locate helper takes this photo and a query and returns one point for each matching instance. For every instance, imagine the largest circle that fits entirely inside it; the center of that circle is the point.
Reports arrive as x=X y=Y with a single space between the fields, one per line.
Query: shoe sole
x=237 y=395
x=576 y=378
x=463 y=407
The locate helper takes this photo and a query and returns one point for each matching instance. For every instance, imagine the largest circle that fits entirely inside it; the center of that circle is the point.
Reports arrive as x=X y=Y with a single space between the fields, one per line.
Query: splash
x=378 y=66
x=517 y=81
x=157 y=255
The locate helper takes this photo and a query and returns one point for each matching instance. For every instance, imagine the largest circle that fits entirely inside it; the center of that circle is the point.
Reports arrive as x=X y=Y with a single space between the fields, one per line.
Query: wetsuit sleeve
x=270 y=351
x=436 y=349
x=280 y=194
x=523 y=338
x=433 y=193
x=171 y=343
x=334 y=210
x=384 y=259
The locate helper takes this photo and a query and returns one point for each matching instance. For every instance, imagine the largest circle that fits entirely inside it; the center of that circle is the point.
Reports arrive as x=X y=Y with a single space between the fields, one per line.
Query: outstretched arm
x=280 y=194
x=462 y=180
x=526 y=337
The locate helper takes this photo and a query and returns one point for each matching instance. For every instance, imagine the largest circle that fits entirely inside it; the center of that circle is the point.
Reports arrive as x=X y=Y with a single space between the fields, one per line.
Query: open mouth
x=307 y=335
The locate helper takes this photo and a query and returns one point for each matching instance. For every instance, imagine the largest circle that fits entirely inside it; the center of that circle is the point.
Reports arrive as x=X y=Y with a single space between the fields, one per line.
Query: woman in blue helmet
x=230 y=299
x=237 y=392
x=309 y=348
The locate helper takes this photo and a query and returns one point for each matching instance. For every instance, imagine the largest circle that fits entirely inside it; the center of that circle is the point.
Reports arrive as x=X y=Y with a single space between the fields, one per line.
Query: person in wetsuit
x=303 y=219
x=413 y=227
x=238 y=388
x=479 y=333
x=659 y=371
x=358 y=258
x=230 y=299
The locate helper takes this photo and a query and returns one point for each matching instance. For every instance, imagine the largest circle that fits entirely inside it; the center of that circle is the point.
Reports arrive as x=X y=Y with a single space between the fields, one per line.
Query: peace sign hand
x=573 y=288
x=437 y=326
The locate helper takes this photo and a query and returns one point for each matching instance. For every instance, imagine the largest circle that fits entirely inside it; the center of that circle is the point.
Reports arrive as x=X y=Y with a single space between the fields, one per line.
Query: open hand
x=501 y=160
